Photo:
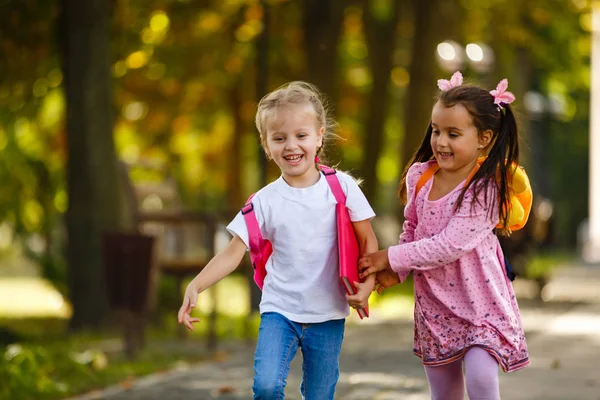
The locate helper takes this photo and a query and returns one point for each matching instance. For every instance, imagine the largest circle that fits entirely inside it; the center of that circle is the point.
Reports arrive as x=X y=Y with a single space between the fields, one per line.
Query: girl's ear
x=485 y=138
x=265 y=147
x=320 y=136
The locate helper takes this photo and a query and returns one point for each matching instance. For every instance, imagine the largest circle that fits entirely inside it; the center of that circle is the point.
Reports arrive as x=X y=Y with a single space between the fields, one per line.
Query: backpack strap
x=425 y=176
x=334 y=183
x=433 y=168
x=254 y=236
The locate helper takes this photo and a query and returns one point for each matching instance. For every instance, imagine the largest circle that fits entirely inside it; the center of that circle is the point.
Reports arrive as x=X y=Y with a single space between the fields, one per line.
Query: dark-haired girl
x=456 y=188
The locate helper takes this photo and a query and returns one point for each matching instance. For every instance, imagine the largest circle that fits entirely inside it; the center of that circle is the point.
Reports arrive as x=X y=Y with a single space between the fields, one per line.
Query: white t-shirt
x=302 y=280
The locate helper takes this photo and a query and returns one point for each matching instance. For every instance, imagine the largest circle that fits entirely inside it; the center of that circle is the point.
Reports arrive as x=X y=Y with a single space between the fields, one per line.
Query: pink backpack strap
x=334 y=184
x=254 y=235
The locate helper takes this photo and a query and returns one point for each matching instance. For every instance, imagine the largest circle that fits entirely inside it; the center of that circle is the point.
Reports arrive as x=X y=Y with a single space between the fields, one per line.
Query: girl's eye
x=452 y=134
x=436 y=132
x=302 y=135
x=278 y=139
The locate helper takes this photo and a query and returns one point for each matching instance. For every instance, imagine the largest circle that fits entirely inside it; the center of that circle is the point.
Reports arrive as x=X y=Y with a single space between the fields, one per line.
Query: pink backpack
x=261 y=249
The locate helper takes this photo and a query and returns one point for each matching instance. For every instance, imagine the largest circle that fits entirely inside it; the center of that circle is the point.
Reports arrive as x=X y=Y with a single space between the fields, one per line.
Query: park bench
x=184 y=240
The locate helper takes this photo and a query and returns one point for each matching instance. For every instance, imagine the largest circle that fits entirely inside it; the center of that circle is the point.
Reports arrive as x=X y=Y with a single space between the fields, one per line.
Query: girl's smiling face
x=455 y=141
x=293 y=138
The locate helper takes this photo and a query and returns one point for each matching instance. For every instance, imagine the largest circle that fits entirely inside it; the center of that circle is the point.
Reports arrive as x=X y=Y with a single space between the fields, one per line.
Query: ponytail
x=496 y=167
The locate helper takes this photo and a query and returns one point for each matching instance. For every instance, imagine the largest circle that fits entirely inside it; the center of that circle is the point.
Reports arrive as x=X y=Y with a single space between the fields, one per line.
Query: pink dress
x=463 y=297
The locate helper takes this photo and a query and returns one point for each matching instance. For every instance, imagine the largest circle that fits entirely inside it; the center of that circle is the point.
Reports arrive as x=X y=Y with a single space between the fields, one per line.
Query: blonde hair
x=293 y=93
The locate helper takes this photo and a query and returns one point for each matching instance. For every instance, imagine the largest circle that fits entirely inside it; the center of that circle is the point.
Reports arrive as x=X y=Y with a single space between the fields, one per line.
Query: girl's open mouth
x=294 y=159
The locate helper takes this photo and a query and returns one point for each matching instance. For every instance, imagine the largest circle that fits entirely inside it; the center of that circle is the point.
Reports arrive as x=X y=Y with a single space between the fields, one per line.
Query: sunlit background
x=185 y=77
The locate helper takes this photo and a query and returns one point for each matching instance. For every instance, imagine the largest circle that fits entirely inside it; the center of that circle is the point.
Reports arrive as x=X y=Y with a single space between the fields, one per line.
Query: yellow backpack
x=521 y=195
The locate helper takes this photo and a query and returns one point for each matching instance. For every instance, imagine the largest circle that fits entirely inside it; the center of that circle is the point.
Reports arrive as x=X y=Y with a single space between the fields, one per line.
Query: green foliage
x=31 y=372
x=53 y=370
x=569 y=174
x=185 y=90
x=541 y=264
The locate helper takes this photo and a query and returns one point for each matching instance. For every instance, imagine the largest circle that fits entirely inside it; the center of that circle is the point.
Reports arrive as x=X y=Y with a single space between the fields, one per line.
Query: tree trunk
x=381 y=43
x=423 y=77
x=322 y=30
x=520 y=79
x=235 y=181
x=262 y=80
x=97 y=202
x=422 y=70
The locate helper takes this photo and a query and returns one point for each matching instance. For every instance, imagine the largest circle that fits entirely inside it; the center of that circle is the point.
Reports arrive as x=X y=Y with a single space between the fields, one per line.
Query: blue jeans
x=278 y=342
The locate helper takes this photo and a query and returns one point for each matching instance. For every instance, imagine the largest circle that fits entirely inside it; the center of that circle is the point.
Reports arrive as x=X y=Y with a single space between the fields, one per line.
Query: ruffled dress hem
x=506 y=367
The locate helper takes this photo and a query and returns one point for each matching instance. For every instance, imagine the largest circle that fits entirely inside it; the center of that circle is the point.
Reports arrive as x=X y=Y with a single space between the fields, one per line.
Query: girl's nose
x=291 y=144
x=442 y=141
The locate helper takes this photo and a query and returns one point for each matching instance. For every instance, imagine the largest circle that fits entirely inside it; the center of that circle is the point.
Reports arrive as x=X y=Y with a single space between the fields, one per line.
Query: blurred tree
x=423 y=75
x=380 y=25
x=97 y=202
x=186 y=70
x=322 y=26
x=31 y=166
x=549 y=41
x=186 y=77
x=262 y=81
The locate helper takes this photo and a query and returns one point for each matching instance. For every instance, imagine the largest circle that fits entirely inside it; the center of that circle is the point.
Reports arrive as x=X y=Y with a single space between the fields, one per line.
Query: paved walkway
x=377 y=362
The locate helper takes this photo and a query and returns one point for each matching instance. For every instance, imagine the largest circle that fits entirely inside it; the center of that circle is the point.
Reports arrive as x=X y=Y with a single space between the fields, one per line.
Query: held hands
x=189 y=302
x=372 y=263
x=363 y=291
x=385 y=279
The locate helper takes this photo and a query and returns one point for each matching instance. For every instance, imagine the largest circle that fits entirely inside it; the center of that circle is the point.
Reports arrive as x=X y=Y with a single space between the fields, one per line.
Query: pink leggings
x=481 y=371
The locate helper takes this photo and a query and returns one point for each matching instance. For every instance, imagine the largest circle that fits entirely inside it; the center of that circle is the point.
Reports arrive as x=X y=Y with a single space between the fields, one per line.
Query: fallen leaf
x=127 y=384
x=220 y=356
x=225 y=389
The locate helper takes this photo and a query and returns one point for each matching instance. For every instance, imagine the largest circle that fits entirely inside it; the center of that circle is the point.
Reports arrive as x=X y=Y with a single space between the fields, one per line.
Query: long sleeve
x=470 y=225
x=410 y=222
x=410 y=211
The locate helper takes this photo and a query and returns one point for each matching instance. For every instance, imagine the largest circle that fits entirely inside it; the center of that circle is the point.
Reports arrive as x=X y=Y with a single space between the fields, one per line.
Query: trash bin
x=127 y=262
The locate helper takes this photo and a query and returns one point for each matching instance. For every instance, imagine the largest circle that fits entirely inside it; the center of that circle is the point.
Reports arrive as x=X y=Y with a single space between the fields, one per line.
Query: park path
x=377 y=361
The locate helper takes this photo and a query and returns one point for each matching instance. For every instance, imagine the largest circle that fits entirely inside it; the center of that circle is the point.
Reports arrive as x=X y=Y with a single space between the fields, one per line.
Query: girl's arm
x=409 y=225
x=385 y=277
x=377 y=262
x=466 y=230
x=217 y=268
x=468 y=227
x=410 y=219
x=367 y=242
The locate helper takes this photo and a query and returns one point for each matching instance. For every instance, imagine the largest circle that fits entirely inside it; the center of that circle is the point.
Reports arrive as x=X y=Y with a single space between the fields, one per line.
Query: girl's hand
x=361 y=298
x=372 y=263
x=386 y=279
x=189 y=302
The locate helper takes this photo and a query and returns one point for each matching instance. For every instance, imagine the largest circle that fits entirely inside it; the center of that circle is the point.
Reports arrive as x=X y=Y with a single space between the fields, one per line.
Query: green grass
x=48 y=367
x=48 y=363
x=396 y=302
x=543 y=263
x=55 y=370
